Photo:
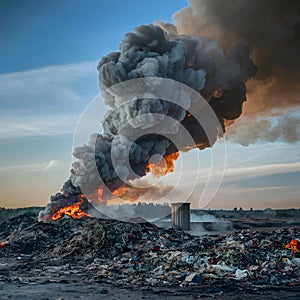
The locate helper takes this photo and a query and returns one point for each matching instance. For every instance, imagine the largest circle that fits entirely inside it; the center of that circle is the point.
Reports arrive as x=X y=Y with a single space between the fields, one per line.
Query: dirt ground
x=90 y=291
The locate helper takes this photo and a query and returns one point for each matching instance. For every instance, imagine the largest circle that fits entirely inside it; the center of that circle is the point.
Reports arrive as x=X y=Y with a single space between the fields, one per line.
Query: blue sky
x=37 y=34
x=48 y=57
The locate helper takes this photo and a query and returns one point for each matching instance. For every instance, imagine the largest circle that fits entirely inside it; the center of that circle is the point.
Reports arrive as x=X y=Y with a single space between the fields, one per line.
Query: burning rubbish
x=73 y=211
x=71 y=203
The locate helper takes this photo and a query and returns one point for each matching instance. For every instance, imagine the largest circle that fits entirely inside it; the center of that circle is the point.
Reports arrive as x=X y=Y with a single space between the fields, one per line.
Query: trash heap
x=143 y=254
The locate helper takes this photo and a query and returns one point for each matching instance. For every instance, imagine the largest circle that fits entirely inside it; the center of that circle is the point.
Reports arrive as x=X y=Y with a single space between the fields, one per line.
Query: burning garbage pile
x=143 y=254
x=75 y=210
x=72 y=203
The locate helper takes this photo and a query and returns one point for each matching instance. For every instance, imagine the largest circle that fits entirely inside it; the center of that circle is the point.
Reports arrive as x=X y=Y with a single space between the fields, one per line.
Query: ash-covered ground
x=94 y=258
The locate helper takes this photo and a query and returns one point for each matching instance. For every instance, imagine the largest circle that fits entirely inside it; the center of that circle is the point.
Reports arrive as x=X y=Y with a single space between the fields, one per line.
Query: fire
x=129 y=193
x=125 y=191
x=73 y=211
x=294 y=245
x=165 y=166
x=121 y=191
x=97 y=196
x=227 y=123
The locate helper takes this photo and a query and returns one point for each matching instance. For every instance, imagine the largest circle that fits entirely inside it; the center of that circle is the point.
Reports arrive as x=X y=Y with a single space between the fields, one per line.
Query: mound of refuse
x=144 y=254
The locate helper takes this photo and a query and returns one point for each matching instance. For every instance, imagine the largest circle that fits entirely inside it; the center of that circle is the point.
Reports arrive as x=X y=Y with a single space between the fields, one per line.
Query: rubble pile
x=167 y=257
x=35 y=238
x=15 y=224
x=143 y=254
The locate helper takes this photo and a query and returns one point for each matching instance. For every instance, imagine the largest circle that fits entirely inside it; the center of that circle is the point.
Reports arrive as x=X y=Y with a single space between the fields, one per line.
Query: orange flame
x=165 y=166
x=294 y=245
x=73 y=211
x=129 y=193
x=97 y=196
x=121 y=191
x=126 y=192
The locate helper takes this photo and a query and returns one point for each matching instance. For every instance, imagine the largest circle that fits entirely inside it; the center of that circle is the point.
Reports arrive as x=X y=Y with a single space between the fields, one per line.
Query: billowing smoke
x=150 y=52
x=272 y=29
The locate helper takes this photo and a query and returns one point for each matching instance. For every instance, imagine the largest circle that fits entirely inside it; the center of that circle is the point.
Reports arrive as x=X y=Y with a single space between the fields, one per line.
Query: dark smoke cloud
x=271 y=26
x=272 y=30
x=151 y=52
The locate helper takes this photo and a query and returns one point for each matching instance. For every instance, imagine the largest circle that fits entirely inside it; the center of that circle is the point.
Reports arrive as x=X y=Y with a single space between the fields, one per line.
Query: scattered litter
x=3 y=244
x=194 y=277
x=240 y=274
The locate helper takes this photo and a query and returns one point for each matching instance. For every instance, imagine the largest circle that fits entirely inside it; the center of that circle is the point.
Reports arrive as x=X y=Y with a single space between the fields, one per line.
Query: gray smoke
x=151 y=52
x=272 y=29
x=247 y=131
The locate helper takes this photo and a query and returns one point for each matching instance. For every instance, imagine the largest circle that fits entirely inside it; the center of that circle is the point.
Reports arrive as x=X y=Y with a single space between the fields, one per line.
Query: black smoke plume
x=150 y=51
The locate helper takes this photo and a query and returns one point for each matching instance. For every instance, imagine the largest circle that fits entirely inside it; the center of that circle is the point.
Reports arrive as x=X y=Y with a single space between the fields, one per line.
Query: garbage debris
x=240 y=274
x=194 y=277
x=143 y=254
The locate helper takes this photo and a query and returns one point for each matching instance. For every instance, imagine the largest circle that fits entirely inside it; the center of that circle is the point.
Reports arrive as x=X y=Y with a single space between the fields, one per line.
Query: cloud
x=262 y=170
x=256 y=189
x=45 y=101
x=28 y=168
x=52 y=164
x=46 y=87
x=18 y=125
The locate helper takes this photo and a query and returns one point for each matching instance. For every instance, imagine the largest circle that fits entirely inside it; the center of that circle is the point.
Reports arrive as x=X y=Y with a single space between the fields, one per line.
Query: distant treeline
x=267 y=213
x=8 y=213
x=152 y=210
x=144 y=210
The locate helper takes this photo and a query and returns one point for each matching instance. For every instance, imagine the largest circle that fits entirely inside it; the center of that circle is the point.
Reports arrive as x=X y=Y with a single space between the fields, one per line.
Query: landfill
x=142 y=254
